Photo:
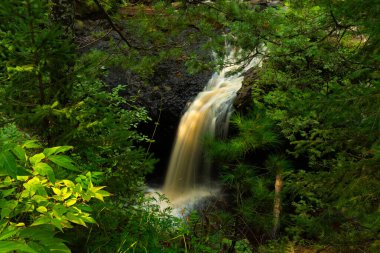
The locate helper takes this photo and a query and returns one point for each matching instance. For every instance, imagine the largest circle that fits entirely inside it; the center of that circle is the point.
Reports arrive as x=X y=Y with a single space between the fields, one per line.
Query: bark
x=277 y=203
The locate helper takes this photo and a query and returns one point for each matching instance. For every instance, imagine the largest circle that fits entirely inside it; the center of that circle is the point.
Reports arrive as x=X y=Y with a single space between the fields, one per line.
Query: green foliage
x=78 y=109
x=323 y=97
x=315 y=126
x=35 y=202
x=139 y=224
x=34 y=56
x=318 y=90
x=105 y=133
x=151 y=229
x=248 y=178
x=255 y=132
x=48 y=90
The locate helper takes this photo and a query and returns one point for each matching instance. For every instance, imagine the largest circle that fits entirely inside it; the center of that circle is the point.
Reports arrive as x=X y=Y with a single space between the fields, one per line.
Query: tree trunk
x=277 y=203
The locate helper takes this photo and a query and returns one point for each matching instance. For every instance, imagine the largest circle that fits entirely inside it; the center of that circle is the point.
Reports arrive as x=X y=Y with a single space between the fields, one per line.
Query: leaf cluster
x=35 y=202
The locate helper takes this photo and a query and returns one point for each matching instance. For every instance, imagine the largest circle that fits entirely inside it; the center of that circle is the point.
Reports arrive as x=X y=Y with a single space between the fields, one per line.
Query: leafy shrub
x=35 y=202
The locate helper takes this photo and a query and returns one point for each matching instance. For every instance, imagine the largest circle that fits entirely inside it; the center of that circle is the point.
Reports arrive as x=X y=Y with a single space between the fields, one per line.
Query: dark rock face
x=244 y=99
x=178 y=87
x=165 y=96
x=173 y=89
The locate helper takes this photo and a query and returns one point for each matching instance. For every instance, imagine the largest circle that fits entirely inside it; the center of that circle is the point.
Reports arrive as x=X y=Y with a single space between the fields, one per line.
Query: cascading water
x=187 y=176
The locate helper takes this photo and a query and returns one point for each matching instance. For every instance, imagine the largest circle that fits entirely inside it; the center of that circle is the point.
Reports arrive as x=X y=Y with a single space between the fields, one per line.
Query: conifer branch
x=103 y=11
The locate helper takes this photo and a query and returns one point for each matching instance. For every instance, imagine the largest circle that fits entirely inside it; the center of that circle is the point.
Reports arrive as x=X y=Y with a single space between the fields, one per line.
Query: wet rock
x=244 y=98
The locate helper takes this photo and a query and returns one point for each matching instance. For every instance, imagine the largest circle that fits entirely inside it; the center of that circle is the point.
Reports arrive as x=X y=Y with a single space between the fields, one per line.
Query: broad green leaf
x=36 y=158
x=8 y=164
x=44 y=169
x=88 y=219
x=22 y=178
x=99 y=196
x=84 y=207
x=97 y=188
x=8 y=232
x=68 y=183
x=52 y=245
x=41 y=220
x=33 y=186
x=6 y=182
x=71 y=202
x=20 y=153
x=7 y=206
x=104 y=193
x=41 y=200
x=40 y=232
x=7 y=159
x=41 y=209
x=7 y=192
x=56 y=191
x=64 y=161
x=59 y=210
x=56 y=150
x=75 y=219
x=22 y=172
x=78 y=188
x=31 y=144
x=37 y=246
x=44 y=234
x=57 y=224
x=10 y=246
x=90 y=185
x=66 y=195
x=87 y=196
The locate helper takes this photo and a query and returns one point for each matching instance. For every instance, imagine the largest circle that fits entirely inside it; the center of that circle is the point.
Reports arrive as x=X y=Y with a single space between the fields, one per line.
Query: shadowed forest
x=92 y=93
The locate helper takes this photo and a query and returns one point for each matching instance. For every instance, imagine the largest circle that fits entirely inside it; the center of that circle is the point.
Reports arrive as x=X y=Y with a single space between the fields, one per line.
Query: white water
x=188 y=176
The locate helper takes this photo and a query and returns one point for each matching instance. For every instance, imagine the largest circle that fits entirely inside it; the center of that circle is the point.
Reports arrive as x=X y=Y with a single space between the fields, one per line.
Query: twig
x=155 y=128
x=94 y=41
x=112 y=24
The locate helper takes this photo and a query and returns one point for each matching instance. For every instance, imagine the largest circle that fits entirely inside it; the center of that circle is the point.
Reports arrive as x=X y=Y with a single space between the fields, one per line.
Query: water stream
x=188 y=178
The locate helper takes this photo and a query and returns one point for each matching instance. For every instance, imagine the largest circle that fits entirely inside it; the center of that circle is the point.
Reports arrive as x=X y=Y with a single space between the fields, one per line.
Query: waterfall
x=208 y=115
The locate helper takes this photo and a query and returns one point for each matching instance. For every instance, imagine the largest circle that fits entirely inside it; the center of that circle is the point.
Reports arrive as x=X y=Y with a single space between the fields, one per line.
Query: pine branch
x=112 y=24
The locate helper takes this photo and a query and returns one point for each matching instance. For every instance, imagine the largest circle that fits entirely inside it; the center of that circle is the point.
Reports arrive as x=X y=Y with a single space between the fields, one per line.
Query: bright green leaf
x=20 y=153
x=31 y=144
x=7 y=192
x=10 y=246
x=41 y=220
x=8 y=164
x=8 y=232
x=57 y=224
x=68 y=183
x=75 y=219
x=36 y=158
x=63 y=161
x=44 y=169
x=59 y=210
x=41 y=209
x=71 y=202
x=56 y=191
x=56 y=150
